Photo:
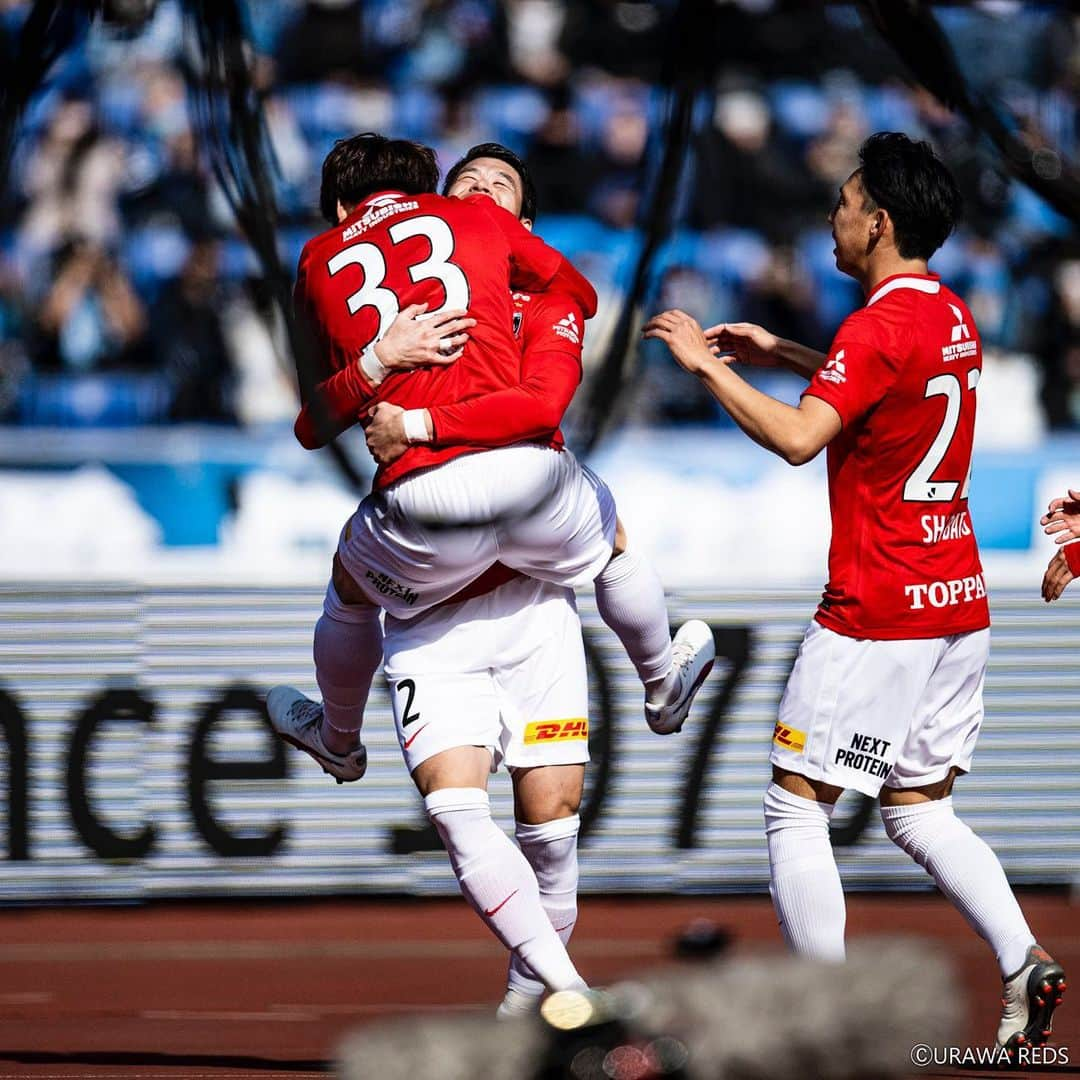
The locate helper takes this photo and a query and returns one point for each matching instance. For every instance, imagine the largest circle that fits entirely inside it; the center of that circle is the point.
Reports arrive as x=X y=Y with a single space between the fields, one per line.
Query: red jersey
x=902 y=373
x=395 y=250
x=549 y=329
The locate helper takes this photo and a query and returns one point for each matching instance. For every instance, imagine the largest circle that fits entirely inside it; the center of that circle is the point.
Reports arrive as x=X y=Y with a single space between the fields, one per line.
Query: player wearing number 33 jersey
x=394 y=250
x=902 y=374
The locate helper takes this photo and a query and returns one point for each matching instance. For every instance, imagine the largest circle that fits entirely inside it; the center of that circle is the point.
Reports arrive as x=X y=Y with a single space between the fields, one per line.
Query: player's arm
x=535 y=266
x=533 y=408
x=748 y=343
x=410 y=342
x=797 y=434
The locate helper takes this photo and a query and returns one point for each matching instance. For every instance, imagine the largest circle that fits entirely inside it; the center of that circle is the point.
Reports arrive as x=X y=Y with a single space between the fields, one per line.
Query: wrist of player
x=417 y=425
x=1072 y=557
x=372 y=366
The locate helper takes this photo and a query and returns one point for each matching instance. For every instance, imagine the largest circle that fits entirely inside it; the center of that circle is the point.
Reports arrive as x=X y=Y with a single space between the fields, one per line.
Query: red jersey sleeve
x=535 y=266
x=344 y=396
x=857 y=374
x=551 y=343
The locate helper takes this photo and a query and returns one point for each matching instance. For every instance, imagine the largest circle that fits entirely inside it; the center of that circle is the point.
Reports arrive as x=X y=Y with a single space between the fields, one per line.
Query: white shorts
x=423 y=539
x=859 y=713
x=505 y=670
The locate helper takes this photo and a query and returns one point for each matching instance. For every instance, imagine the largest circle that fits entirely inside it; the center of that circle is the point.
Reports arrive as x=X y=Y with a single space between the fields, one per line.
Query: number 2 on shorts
x=408 y=687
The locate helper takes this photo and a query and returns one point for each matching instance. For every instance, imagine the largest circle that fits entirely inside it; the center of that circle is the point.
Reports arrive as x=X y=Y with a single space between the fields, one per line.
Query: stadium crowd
x=127 y=295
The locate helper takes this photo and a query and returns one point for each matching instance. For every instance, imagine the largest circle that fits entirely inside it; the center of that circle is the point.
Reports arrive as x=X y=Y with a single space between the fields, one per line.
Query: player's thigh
x=442 y=693
x=542 y=681
x=547 y=792
x=569 y=538
x=848 y=706
x=948 y=717
x=408 y=566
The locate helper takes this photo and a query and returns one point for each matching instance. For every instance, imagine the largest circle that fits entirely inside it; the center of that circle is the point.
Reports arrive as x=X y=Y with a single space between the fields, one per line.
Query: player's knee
x=345 y=586
x=456 y=813
x=916 y=827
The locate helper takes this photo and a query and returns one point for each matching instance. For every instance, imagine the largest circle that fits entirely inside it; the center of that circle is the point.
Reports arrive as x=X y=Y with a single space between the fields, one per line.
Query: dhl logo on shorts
x=541 y=731
x=789 y=738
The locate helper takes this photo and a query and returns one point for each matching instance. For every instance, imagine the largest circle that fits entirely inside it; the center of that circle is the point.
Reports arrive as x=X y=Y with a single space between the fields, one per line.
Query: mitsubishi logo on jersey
x=378 y=210
x=835 y=371
x=568 y=328
x=960 y=332
x=961 y=345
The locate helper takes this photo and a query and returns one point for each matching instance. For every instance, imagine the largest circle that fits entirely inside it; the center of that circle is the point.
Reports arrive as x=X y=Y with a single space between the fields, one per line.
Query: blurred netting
x=128 y=295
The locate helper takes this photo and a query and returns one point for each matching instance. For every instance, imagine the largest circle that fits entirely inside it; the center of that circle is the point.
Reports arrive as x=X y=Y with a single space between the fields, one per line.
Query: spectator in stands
x=189 y=341
x=71 y=181
x=563 y=171
x=91 y=318
x=616 y=189
x=746 y=176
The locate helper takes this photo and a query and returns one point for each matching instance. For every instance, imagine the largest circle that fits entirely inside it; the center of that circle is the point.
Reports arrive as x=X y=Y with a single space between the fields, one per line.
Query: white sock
x=966 y=871
x=499 y=884
x=551 y=850
x=348 y=650
x=630 y=599
x=803 y=879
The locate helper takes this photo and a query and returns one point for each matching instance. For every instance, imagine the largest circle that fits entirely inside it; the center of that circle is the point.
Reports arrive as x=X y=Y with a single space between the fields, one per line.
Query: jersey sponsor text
x=942 y=594
x=938 y=527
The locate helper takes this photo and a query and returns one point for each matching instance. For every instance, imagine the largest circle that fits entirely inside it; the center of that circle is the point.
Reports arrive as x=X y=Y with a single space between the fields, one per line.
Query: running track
x=266 y=990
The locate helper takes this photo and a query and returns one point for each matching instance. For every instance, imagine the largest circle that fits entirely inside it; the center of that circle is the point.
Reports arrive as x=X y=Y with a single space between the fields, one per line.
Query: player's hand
x=745 y=343
x=415 y=340
x=683 y=336
x=1063 y=518
x=385 y=433
x=1057 y=576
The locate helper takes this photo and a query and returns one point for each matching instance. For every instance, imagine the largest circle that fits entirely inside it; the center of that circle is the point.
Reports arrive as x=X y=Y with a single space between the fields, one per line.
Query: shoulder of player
x=886 y=322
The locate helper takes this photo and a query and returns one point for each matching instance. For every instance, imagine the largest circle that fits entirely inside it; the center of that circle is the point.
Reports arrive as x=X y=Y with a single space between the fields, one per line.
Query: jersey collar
x=925 y=283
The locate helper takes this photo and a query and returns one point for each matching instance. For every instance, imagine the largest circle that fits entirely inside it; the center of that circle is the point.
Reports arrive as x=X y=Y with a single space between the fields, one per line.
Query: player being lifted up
x=427 y=532
x=887 y=687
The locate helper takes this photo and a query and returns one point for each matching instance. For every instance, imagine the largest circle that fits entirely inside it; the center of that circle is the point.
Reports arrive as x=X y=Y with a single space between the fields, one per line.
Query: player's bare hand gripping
x=385 y=432
x=1057 y=576
x=413 y=341
x=683 y=335
x=746 y=343
x=1063 y=518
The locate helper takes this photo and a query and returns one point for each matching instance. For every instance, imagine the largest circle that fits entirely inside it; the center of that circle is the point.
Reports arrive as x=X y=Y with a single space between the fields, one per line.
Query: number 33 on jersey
x=902 y=373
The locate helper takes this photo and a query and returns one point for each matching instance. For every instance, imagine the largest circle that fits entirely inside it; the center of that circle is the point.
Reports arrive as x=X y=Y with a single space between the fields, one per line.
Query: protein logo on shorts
x=789 y=738
x=541 y=731
x=387 y=586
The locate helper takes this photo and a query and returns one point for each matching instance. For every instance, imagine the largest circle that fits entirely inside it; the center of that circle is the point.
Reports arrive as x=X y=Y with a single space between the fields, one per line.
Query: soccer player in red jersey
x=1062 y=521
x=464 y=696
x=886 y=694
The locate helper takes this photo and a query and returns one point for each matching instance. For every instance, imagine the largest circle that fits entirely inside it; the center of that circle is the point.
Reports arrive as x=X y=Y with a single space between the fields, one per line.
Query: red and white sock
x=348 y=651
x=551 y=850
x=499 y=883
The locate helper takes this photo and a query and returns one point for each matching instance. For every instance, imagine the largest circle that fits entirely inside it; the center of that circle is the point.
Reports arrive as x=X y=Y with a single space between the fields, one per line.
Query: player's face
x=491 y=177
x=851 y=220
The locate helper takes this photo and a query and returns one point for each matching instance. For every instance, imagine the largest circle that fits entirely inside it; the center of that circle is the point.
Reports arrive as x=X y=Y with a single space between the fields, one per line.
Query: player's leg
x=917 y=810
x=573 y=537
x=347 y=651
x=447 y=714
x=844 y=712
x=546 y=802
x=631 y=601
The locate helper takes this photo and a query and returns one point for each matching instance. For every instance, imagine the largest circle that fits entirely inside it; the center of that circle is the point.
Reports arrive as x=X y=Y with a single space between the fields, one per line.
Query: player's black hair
x=500 y=153
x=906 y=178
x=368 y=162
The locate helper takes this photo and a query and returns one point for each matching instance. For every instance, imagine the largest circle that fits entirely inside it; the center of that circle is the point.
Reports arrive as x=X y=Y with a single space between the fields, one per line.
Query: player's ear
x=527 y=222
x=342 y=213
